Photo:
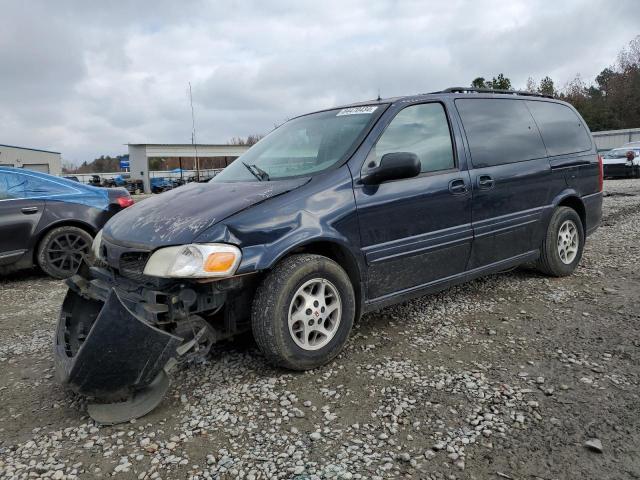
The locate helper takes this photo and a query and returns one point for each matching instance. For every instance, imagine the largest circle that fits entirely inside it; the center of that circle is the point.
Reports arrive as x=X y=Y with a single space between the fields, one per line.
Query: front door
x=416 y=231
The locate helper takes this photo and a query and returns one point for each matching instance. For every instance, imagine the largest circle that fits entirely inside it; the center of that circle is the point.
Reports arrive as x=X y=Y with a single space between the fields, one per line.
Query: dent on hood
x=179 y=216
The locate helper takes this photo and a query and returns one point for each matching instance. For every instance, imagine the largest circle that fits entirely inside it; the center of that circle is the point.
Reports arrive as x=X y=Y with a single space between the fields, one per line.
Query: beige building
x=31 y=159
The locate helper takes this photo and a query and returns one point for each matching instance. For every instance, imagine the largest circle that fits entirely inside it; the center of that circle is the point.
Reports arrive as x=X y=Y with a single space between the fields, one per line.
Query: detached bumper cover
x=104 y=350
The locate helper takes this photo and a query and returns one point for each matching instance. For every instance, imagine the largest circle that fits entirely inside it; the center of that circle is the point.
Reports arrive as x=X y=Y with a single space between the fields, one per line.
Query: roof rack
x=491 y=90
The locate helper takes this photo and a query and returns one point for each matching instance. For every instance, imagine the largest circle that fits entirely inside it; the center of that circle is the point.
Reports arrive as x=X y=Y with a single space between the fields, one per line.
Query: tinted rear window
x=499 y=131
x=562 y=130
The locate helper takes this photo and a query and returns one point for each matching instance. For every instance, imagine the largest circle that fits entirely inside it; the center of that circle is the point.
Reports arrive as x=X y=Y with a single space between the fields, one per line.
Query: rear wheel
x=62 y=249
x=303 y=312
x=562 y=246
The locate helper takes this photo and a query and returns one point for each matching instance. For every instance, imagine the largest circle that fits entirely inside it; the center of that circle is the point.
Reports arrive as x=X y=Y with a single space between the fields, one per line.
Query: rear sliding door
x=509 y=179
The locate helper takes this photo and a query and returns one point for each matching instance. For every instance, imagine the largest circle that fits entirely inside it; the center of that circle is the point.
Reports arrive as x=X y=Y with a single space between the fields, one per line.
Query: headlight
x=194 y=261
x=95 y=246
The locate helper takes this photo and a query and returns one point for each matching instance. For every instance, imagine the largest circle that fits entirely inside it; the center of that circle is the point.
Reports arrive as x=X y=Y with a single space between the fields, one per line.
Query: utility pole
x=193 y=135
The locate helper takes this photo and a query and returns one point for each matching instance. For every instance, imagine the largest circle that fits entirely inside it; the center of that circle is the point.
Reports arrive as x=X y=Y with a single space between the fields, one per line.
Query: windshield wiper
x=257 y=172
x=252 y=172
x=263 y=174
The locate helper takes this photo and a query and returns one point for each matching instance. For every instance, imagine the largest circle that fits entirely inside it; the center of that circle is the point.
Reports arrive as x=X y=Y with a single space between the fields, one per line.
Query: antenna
x=379 y=98
x=193 y=135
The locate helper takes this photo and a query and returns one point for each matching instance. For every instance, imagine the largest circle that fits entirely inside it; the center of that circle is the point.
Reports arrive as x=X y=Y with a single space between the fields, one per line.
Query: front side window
x=303 y=146
x=499 y=131
x=420 y=129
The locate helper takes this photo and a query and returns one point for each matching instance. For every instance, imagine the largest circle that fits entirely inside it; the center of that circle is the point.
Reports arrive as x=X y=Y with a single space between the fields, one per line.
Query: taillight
x=124 y=202
x=600 y=174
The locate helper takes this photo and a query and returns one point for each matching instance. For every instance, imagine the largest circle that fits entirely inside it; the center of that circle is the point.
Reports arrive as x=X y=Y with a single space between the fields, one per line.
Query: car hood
x=178 y=216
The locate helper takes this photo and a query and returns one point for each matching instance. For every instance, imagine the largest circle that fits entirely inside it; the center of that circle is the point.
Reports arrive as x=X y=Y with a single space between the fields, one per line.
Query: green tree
x=479 y=82
x=500 y=82
x=547 y=87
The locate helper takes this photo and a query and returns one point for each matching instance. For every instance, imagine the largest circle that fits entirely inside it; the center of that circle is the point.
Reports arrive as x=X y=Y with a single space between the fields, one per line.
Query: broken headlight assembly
x=196 y=260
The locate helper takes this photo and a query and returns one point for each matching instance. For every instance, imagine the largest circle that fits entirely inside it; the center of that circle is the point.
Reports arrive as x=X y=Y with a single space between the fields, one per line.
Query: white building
x=140 y=153
x=609 y=139
x=31 y=159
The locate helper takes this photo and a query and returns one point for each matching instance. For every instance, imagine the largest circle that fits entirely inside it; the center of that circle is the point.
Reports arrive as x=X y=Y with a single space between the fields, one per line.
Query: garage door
x=37 y=167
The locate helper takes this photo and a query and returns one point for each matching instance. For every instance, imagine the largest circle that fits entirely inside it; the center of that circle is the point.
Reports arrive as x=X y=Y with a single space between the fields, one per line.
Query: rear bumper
x=593 y=211
x=619 y=170
x=104 y=350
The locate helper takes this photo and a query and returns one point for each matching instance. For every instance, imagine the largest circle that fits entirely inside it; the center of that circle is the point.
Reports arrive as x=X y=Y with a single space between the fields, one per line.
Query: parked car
x=160 y=184
x=622 y=162
x=95 y=180
x=50 y=221
x=333 y=214
x=72 y=177
x=134 y=186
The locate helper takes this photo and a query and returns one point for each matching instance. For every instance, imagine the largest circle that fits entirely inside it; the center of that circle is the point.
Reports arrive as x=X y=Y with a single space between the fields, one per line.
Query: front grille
x=132 y=265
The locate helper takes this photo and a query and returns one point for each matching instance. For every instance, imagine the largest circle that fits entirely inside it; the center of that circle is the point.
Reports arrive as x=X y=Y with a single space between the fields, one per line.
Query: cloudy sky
x=84 y=78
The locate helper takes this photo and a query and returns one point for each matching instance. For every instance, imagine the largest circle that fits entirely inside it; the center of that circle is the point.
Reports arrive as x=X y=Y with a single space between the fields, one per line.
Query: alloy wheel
x=568 y=242
x=65 y=252
x=314 y=314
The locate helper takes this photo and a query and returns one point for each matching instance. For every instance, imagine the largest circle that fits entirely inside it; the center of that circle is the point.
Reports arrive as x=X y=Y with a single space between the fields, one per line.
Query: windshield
x=620 y=153
x=303 y=146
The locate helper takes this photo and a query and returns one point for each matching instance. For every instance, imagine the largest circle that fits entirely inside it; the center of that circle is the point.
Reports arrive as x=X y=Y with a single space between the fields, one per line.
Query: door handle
x=29 y=210
x=485 y=182
x=458 y=187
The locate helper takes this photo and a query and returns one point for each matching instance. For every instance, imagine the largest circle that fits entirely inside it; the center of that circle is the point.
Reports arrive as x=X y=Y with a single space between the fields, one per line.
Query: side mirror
x=393 y=166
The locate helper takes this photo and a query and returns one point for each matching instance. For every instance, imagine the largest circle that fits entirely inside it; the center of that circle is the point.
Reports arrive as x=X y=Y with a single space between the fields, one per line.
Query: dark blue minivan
x=333 y=214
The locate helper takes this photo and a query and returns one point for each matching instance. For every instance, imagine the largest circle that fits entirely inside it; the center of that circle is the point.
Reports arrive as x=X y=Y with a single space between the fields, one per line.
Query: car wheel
x=303 y=312
x=61 y=251
x=562 y=246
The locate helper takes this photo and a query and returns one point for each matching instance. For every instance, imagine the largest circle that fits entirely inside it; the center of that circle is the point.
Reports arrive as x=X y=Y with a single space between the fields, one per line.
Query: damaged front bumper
x=116 y=341
x=112 y=355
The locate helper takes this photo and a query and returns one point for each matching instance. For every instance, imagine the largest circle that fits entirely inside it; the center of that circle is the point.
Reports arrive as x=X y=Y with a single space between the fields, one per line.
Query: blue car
x=333 y=214
x=51 y=221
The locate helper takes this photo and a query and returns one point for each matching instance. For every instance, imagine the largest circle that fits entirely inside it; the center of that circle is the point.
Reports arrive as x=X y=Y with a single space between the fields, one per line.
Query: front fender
x=262 y=248
x=323 y=210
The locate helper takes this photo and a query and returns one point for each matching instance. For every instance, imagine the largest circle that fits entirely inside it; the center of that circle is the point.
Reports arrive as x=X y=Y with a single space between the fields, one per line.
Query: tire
x=61 y=250
x=289 y=289
x=551 y=261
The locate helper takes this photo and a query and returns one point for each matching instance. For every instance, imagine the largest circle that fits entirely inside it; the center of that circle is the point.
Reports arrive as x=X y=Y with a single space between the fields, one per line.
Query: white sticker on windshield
x=357 y=111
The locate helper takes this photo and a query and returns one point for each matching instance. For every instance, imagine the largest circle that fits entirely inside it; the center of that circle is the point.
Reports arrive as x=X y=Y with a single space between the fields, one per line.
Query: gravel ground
x=515 y=376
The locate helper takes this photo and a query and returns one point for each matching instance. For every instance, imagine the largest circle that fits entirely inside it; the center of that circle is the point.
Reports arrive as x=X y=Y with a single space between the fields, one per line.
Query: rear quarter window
x=562 y=130
x=14 y=185
x=499 y=131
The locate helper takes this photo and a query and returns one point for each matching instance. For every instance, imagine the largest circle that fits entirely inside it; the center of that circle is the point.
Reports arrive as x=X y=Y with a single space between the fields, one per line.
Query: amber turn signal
x=219 y=262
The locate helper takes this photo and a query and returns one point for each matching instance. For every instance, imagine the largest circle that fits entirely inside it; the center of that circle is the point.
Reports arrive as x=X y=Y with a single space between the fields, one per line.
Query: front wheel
x=562 y=246
x=303 y=312
x=62 y=250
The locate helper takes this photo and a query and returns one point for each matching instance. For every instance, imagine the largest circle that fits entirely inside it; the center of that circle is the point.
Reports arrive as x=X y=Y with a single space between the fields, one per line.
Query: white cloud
x=85 y=78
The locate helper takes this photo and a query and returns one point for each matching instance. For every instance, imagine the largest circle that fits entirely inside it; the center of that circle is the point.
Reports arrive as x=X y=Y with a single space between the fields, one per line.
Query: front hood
x=178 y=216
